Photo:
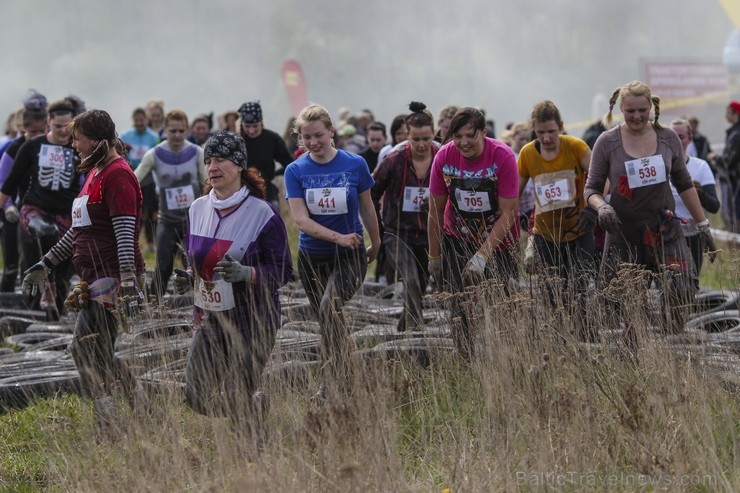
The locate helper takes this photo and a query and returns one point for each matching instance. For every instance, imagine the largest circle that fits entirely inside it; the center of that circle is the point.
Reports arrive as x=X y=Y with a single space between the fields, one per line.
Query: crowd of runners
x=437 y=202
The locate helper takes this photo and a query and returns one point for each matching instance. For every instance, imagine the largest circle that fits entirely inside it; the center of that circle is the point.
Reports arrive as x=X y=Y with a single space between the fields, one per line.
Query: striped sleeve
x=62 y=250
x=124 y=227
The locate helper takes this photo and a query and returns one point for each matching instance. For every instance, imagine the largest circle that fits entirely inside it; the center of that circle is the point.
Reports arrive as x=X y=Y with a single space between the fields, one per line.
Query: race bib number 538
x=645 y=171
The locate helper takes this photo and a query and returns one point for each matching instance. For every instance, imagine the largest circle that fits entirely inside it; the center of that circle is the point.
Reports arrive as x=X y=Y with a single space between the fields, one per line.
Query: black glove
x=587 y=220
x=182 y=281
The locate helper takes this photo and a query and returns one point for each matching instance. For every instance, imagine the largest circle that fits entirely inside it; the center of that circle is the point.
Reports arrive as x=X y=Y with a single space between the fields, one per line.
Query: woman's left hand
x=372 y=253
x=233 y=270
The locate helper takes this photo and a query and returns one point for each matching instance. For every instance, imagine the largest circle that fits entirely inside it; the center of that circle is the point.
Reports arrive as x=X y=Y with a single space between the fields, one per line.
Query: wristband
x=431 y=257
x=703 y=223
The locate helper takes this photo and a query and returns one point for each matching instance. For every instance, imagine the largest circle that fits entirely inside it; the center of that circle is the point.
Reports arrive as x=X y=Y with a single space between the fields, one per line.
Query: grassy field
x=533 y=411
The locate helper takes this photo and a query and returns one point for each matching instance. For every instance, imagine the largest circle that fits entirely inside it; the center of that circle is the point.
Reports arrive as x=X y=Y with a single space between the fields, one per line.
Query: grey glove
x=12 y=214
x=182 y=281
x=587 y=220
x=131 y=298
x=35 y=277
x=435 y=271
x=707 y=240
x=232 y=270
x=608 y=219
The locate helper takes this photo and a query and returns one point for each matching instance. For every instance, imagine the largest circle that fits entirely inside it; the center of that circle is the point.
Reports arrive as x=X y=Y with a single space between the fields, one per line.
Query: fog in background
x=212 y=56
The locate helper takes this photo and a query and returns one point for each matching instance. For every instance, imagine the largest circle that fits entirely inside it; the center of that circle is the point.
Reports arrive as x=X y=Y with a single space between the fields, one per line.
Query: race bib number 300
x=327 y=201
x=470 y=201
x=645 y=171
x=215 y=296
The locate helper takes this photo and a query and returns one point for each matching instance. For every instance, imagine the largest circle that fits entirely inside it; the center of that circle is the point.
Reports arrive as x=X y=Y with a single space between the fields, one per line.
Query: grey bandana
x=227 y=145
x=251 y=112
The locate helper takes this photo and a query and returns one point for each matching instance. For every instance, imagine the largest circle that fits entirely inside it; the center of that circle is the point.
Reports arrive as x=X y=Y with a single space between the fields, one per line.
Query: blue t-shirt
x=331 y=194
x=140 y=143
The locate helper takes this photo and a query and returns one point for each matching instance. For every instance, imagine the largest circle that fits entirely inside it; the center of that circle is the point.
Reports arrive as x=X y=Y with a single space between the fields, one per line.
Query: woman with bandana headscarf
x=238 y=254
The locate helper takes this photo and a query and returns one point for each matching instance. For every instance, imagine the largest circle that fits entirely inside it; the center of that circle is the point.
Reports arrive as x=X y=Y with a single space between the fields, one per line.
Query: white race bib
x=80 y=216
x=136 y=153
x=215 y=296
x=645 y=171
x=414 y=198
x=51 y=156
x=327 y=201
x=179 y=197
x=554 y=190
x=469 y=201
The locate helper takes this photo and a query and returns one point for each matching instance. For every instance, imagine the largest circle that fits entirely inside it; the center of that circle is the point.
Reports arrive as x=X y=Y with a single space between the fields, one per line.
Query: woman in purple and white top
x=238 y=255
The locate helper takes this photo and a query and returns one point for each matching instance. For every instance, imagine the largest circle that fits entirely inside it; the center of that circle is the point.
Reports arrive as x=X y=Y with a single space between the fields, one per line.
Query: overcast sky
x=381 y=54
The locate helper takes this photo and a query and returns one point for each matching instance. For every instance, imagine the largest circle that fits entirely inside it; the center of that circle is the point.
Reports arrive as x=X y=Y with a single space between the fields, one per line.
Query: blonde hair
x=313 y=113
x=637 y=89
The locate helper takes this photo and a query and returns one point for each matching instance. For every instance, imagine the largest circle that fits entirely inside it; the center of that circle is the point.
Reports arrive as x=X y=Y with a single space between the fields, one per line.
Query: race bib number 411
x=327 y=201
x=645 y=171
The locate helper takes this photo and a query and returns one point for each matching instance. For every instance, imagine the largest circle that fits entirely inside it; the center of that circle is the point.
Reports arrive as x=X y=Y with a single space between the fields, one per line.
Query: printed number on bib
x=469 y=201
x=179 y=197
x=414 y=198
x=80 y=216
x=645 y=171
x=555 y=190
x=327 y=201
x=215 y=296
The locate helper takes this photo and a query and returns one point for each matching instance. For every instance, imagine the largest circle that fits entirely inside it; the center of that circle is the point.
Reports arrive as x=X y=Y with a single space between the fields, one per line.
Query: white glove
x=12 y=214
x=232 y=270
x=474 y=271
x=35 y=277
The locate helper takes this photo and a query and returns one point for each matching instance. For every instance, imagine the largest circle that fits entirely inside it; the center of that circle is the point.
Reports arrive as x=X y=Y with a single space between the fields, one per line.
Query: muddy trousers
x=330 y=282
x=224 y=369
x=455 y=254
x=93 y=351
x=412 y=264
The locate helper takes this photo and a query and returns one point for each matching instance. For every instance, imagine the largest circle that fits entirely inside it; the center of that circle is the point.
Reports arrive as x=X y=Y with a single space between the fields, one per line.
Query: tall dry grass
x=533 y=410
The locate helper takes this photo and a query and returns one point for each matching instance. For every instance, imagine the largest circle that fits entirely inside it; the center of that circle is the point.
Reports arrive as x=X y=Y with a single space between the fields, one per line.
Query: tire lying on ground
x=59 y=328
x=712 y=300
x=298 y=345
x=28 y=340
x=295 y=375
x=420 y=350
x=13 y=300
x=169 y=377
x=11 y=325
x=29 y=375
x=20 y=312
x=162 y=328
x=715 y=322
x=157 y=352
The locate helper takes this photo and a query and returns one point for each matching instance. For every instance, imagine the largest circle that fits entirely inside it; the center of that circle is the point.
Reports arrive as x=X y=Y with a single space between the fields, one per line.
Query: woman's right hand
x=350 y=240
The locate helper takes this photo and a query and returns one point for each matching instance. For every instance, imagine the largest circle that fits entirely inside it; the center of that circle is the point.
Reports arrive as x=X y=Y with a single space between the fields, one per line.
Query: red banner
x=295 y=85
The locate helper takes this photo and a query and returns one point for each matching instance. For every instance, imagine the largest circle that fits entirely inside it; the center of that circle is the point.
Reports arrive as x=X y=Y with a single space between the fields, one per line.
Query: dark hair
x=138 y=111
x=466 y=116
x=252 y=179
x=545 y=111
x=378 y=126
x=397 y=123
x=71 y=105
x=34 y=108
x=97 y=125
x=420 y=116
